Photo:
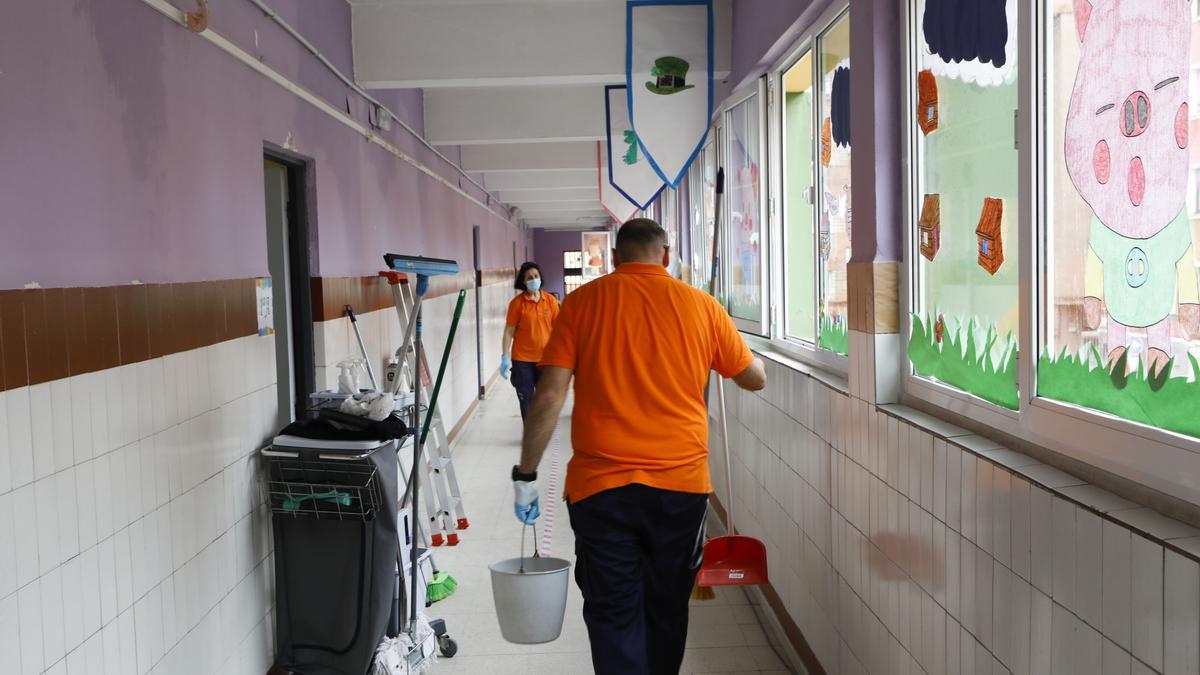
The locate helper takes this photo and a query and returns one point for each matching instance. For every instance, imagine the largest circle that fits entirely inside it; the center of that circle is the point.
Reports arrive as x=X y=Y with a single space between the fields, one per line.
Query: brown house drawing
x=927 y=102
x=930 y=230
x=826 y=141
x=991 y=243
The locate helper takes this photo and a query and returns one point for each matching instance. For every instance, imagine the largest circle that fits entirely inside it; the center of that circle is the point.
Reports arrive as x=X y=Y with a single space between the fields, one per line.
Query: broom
x=442 y=585
x=706 y=592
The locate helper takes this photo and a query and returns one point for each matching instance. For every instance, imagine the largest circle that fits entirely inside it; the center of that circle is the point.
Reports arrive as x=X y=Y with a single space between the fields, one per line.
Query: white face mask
x=533 y=285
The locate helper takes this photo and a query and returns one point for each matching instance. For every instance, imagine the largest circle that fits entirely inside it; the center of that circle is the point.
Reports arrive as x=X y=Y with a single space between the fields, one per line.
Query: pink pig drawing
x=1126 y=143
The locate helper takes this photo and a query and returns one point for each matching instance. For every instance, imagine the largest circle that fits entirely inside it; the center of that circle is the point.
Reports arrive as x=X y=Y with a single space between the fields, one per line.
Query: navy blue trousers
x=525 y=376
x=637 y=551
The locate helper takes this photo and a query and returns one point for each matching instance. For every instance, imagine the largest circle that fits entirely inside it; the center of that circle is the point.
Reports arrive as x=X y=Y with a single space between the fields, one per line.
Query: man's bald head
x=641 y=240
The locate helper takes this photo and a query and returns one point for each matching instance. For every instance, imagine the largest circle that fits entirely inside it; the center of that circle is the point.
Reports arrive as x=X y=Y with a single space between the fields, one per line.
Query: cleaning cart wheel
x=447 y=646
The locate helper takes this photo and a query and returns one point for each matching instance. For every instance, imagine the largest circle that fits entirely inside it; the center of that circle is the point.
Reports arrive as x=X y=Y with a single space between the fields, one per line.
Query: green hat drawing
x=671 y=72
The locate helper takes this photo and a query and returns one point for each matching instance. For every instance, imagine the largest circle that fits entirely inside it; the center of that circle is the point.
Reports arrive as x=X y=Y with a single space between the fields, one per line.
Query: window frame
x=914 y=386
x=1162 y=460
x=808 y=42
x=758 y=92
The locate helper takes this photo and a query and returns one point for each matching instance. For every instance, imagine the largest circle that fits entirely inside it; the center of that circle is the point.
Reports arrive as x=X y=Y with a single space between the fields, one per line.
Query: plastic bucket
x=530 y=605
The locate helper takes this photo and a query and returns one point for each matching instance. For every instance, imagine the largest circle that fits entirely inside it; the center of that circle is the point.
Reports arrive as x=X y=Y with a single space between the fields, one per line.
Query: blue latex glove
x=505 y=365
x=525 y=504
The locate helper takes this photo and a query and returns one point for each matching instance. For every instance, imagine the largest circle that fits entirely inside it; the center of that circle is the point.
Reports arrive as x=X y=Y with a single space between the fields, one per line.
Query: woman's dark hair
x=519 y=284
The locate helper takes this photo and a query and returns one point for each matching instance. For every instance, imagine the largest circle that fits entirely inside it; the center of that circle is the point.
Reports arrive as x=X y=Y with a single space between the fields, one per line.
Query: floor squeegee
x=423 y=268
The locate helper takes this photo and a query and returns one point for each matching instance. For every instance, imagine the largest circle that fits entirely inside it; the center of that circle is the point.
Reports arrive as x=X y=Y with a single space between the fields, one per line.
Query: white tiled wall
x=133 y=535
x=904 y=545
x=381 y=332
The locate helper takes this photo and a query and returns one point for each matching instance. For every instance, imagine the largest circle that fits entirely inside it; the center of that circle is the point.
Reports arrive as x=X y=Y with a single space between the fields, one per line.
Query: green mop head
x=440 y=587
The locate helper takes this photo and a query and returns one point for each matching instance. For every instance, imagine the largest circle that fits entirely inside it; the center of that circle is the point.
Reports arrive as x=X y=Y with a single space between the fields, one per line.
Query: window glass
x=1120 y=293
x=833 y=226
x=705 y=190
x=799 y=238
x=744 y=230
x=964 y=198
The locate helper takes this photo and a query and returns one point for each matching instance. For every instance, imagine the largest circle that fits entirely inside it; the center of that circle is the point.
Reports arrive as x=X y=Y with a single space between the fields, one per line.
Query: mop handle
x=437 y=385
x=362 y=347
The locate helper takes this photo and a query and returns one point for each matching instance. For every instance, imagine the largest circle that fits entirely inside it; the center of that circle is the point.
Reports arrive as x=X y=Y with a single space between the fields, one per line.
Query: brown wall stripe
x=371 y=294
x=49 y=334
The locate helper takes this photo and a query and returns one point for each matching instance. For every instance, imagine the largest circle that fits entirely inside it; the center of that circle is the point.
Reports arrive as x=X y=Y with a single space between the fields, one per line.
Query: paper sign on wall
x=615 y=203
x=668 y=72
x=264 y=306
x=628 y=169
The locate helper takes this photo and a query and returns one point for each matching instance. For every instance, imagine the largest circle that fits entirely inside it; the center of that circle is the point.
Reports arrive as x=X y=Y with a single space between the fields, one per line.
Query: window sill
x=766 y=349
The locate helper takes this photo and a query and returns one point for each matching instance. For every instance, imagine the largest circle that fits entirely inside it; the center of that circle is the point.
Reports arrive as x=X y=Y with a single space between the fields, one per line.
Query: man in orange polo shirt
x=640 y=346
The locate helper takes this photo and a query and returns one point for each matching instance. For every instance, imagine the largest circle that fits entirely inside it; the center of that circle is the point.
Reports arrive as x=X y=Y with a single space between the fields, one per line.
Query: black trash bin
x=333 y=516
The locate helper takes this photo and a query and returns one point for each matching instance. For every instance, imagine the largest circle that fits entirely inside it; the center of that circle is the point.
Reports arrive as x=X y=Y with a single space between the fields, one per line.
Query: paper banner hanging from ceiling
x=668 y=71
x=615 y=203
x=628 y=169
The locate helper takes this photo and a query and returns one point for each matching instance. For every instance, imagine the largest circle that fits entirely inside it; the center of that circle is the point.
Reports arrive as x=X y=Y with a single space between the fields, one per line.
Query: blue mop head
x=422 y=267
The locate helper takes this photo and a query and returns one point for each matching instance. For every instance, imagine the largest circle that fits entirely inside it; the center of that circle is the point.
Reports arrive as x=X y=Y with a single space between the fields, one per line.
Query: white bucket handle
x=536 y=554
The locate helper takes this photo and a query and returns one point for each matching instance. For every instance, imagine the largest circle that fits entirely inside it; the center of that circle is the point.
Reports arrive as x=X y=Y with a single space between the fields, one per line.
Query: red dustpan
x=732 y=560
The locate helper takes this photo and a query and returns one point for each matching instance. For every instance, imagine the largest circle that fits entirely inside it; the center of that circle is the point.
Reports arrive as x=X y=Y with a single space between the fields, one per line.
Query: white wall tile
x=19 y=423
x=10 y=634
x=53 y=621
x=62 y=431
x=1147 y=600
x=8 y=549
x=5 y=463
x=984 y=504
x=29 y=604
x=1089 y=650
x=1181 y=615
x=46 y=503
x=106 y=554
x=81 y=417
x=88 y=601
x=939 y=479
x=124 y=569
x=1002 y=515
x=1116 y=585
x=127 y=642
x=98 y=409
x=85 y=493
x=1088 y=561
x=1064 y=547
x=1116 y=661
x=68 y=514
x=72 y=594
x=24 y=520
x=1064 y=641
x=41 y=408
x=112 y=649
x=1041 y=638
x=969 y=486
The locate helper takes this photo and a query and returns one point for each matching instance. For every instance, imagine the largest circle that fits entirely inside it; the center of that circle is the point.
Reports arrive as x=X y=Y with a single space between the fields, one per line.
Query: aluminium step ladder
x=444 y=503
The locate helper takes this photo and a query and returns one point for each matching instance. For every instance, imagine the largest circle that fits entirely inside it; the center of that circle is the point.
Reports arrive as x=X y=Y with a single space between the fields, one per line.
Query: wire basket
x=324 y=490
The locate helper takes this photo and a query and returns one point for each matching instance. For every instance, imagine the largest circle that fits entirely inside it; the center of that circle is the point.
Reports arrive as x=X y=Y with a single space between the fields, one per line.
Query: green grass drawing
x=960 y=362
x=834 y=335
x=1170 y=403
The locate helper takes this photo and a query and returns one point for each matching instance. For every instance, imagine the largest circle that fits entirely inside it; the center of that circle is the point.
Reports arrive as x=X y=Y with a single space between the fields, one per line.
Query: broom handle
x=712 y=290
x=725 y=447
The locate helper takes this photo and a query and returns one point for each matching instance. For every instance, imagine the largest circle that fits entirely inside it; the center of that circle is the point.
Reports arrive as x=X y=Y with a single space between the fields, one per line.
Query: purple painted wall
x=132 y=149
x=548 y=247
x=875 y=93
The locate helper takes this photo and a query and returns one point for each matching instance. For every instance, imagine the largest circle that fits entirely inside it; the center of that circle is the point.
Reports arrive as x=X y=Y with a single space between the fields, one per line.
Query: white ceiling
x=517 y=83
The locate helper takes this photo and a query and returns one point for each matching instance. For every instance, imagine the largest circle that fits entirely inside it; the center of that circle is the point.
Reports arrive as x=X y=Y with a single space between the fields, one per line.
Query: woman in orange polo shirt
x=531 y=315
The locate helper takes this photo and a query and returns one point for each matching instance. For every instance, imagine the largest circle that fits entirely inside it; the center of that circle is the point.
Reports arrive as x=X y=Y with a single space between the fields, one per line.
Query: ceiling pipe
x=272 y=15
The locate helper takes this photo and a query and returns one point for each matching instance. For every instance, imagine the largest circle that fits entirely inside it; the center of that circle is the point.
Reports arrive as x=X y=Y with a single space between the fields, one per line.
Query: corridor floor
x=725 y=635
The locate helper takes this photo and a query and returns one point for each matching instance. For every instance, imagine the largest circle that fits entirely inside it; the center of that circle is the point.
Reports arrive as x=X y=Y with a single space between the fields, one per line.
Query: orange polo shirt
x=533 y=321
x=641 y=344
